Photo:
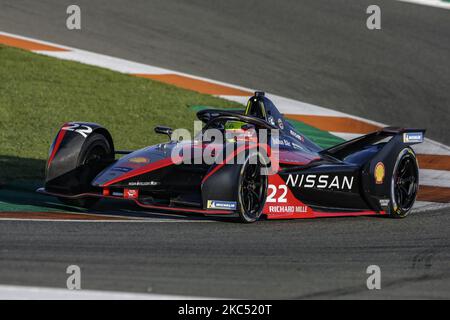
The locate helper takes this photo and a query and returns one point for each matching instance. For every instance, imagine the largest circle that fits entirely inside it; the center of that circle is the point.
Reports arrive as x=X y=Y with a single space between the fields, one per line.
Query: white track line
x=432 y=3
x=423 y=206
x=435 y=178
x=432 y=147
x=103 y=61
x=41 y=293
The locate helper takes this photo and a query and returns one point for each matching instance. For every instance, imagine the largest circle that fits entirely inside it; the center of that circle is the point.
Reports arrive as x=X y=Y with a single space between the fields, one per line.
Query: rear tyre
x=252 y=189
x=95 y=151
x=404 y=184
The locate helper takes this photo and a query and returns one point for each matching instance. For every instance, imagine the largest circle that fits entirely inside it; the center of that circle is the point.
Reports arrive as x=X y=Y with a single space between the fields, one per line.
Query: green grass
x=38 y=94
x=322 y=138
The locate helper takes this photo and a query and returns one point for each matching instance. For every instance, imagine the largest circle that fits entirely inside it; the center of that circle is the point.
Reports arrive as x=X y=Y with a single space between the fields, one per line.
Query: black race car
x=283 y=176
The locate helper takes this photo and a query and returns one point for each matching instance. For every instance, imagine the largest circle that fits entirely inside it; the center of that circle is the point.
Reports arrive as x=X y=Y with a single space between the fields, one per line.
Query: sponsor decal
x=384 y=202
x=296 y=135
x=280 y=124
x=143 y=183
x=281 y=142
x=122 y=169
x=271 y=120
x=223 y=205
x=396 y=208
x=379 y=173
x=139 y=160
x=286 y=160
x=287 y=209
x=298 y=147
x=410 y=137
x=131 y=193
x=321 y=181
x=287 y=143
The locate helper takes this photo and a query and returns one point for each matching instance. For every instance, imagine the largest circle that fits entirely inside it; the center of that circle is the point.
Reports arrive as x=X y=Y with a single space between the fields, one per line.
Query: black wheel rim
x=92 y=162
x=406 y=183
x=252 y=191
x=97 y=154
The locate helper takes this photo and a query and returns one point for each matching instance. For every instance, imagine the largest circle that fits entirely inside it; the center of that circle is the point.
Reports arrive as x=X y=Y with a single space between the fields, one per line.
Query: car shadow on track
x=16 y=168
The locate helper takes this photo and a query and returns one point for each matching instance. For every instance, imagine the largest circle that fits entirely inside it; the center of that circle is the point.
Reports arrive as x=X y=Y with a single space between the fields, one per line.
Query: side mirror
x=164 y=130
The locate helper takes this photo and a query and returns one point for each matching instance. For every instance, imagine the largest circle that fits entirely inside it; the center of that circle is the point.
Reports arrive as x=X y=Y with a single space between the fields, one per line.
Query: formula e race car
x=247 y=164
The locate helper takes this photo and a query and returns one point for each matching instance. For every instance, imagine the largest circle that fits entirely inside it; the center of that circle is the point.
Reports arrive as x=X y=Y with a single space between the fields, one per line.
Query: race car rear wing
x=410 y=136
x=401 y=136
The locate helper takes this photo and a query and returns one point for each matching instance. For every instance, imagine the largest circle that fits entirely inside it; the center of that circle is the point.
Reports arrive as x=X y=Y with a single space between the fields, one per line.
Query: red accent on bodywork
x=312 y=213
x=317 y=214
x=290 y=208
x=148 y=206
x=57 y=144
x=147 y=168
x=296 y=158
x=283 y=156
x=293 y=208
x=234 y=154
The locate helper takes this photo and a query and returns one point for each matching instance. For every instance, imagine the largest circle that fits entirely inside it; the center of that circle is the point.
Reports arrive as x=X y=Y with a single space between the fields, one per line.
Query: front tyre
x=252 y=189
x=404 y=184
x=96 y=150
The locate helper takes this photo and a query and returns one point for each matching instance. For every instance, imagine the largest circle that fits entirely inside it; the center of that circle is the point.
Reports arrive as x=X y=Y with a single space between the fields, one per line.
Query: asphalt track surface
x=315 y=51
